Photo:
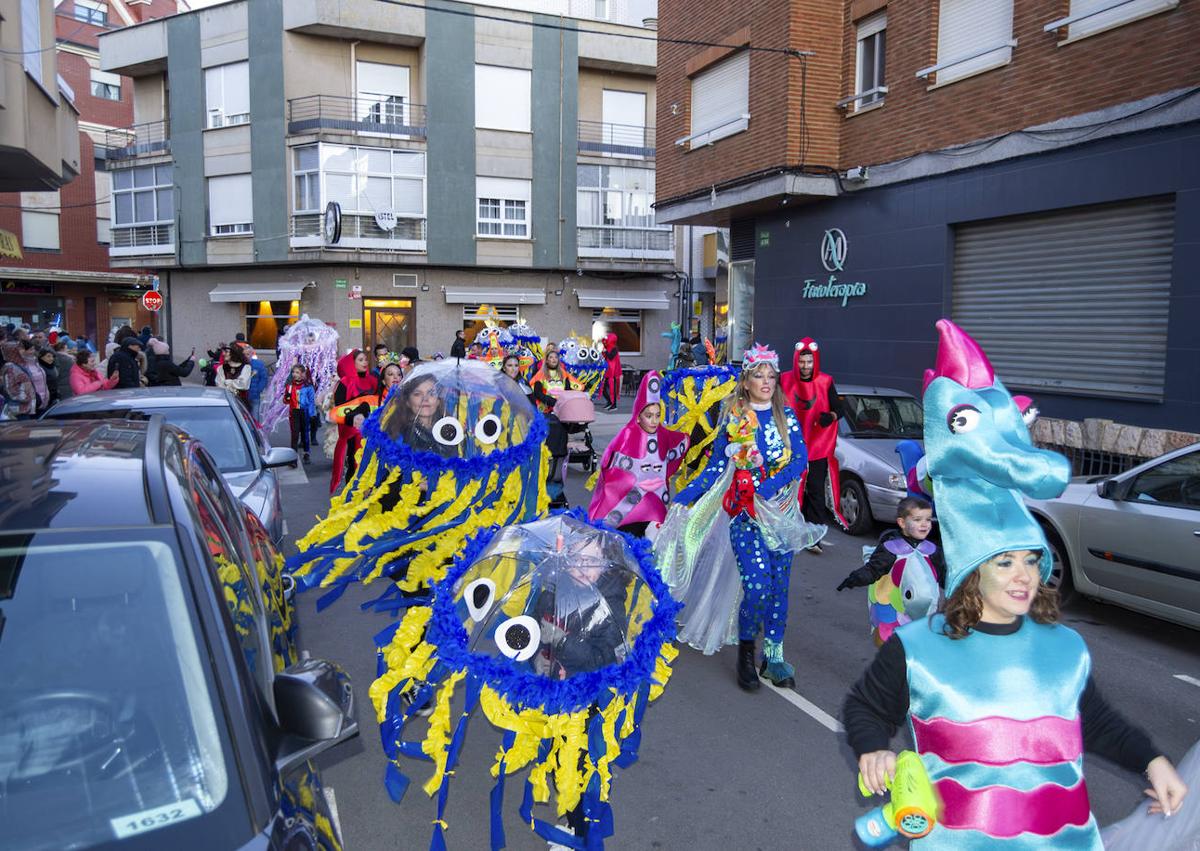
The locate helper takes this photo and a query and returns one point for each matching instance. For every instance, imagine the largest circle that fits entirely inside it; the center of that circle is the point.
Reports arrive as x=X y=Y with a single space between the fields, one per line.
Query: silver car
x=217 y=419
x=872 y=477
x=1132 y=539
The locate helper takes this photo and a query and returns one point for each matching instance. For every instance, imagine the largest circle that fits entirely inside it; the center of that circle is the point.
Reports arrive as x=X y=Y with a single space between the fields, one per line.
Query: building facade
x=58 y=270
x=398 y=172
x=1024 y=167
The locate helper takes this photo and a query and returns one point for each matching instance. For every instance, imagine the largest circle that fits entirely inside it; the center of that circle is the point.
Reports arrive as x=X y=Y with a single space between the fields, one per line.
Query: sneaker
x=815 y=549
x=307 y=460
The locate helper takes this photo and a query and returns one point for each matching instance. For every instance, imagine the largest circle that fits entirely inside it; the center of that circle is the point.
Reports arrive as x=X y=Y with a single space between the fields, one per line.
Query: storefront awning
x=284 y=291
x=624 y=299
x=493 y=295
x=10 y=246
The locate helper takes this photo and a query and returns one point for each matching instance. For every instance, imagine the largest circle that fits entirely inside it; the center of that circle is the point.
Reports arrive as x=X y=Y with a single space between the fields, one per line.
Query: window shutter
x=31 y=38
x=503 y=187
x=1113 y=16
x=721 y=94
x=970 y=27
x=237 y=88
x=229 y=201
x=378 y=79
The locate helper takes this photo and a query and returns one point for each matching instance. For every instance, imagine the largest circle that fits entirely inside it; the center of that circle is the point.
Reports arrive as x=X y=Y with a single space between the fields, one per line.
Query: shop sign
x=340 y=283
x=834 y=289
x=26 y=288
x=355 y=323
x=10 y=246
x=332 y=225
x=355 y=291
x=833 y=250
x=152 y=300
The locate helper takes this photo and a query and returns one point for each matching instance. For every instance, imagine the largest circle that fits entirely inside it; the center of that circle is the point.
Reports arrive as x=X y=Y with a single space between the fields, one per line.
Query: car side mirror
x=1109 y=489
x=280 y=456
x=315 y=704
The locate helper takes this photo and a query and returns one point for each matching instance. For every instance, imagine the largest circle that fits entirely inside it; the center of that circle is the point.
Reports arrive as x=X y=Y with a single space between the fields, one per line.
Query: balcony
x=141 y=140
x=358 y=232
x=142 y=241
x=374 y=115
x=614 y=242
x=616 y=140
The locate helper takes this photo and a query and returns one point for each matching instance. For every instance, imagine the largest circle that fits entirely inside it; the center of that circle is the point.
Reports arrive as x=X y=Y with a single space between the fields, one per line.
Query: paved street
x=721 y=769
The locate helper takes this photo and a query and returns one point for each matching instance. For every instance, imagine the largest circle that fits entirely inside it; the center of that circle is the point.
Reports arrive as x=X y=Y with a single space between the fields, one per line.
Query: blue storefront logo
x=833 y=250
x=833 y=289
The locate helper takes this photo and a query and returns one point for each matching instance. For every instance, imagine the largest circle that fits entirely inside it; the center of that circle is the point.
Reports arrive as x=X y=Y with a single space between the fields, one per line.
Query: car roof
x=868 y=390
x=74 y=474
x=157 y=397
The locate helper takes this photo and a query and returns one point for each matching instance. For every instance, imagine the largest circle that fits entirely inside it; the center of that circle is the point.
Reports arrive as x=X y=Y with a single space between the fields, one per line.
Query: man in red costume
x=612 y=371
x=814 y=397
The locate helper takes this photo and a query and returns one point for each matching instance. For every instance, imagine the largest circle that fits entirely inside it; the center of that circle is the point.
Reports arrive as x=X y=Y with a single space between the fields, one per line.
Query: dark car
x=153 y=696
x=242 y=452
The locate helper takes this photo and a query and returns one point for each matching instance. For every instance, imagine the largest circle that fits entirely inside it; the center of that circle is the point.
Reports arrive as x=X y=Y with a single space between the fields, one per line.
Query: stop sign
x=152 y=300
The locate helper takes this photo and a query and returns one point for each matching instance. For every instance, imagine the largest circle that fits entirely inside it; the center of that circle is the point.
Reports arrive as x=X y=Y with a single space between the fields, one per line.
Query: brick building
x=62 y=235
x=1026 y=167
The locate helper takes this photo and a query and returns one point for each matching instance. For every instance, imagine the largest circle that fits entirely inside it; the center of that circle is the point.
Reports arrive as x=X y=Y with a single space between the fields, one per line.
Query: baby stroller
x=576 y=412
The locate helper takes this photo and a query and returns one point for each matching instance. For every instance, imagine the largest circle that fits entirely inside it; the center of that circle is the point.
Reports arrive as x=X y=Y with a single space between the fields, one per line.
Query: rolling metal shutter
x=1072 y=302
x=721 y=94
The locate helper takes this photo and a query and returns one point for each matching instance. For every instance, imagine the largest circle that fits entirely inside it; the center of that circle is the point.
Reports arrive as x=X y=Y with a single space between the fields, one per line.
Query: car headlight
x=897 y=481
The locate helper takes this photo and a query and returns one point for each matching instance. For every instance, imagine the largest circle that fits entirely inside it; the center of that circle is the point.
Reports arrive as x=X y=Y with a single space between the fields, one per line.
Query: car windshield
x=108 y=728
x=884 y=416
x=213 y=425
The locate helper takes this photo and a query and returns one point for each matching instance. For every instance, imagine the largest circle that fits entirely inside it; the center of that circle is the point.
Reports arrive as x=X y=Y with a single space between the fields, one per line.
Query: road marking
x=1188 y=679
x=809 y=708
x=288 y=476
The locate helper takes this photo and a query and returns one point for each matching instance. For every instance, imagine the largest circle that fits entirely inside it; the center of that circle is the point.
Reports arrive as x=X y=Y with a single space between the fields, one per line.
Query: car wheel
x=1060 y=572
x=855 y=509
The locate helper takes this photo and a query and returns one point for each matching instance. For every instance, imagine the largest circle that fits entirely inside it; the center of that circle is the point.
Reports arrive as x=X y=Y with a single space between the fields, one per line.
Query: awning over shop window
x=10 y=246
x=624 y=299
x=494 y=295
x=285 y=291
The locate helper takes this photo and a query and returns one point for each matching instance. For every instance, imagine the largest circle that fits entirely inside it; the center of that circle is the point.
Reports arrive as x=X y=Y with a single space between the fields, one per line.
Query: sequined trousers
x=765 y=578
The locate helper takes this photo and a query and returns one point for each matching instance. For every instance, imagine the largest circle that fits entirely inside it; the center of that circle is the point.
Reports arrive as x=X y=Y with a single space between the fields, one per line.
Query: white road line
x=808 y=708
x=1188 y=679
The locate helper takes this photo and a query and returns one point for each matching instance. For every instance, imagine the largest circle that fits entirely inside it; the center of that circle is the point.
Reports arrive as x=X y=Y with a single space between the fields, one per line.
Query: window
x=601 y=10
x=382 y=93
x=1088 y=17
x=103 y=205
x=31 y=38
x=474 y=316
x=615 y=196
x=502 y=98
x=230 y=205
x=91 y=12
x=306 y=169
x=267 y=320
x=143 y=196
x=720 y=100
x=105 y=85
x=503 y=207
x=869 y=62
x=1174 y=482
x=227 y=94
x=365 y=181
x=626 y=324
x=39 y=220
x=741 y=308
x=973 y=36
x=624 y=119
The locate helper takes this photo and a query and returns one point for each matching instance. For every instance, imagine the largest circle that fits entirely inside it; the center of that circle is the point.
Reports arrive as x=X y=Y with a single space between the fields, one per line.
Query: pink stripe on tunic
x=1000 y=741
x=1003 y=812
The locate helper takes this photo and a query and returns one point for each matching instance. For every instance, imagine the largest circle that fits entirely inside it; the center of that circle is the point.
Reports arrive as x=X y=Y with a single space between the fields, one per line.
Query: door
x=624 y=116
x=388 y=321
x=1147 y=544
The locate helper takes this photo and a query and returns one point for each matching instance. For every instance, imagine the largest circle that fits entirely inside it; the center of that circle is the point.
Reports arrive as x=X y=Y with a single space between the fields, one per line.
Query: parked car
x=872 y=478
x=1131 y=539
x=215 y=417
x=153 y=694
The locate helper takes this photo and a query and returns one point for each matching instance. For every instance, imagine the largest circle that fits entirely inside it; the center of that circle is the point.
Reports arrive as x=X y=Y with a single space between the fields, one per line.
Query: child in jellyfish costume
x=314 y=345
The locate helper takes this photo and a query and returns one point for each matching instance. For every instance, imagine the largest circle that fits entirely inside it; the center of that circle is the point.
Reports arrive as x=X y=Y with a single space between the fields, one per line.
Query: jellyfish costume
x=457 y=447
x=693 y=400
x=310 y=343
x=584 y=361
x=560 y=631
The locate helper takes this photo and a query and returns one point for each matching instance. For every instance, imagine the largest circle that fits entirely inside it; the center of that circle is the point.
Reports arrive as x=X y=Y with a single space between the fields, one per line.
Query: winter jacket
x=125 y=365
x=303 y=397
x=161 y=371
x=64 y=362
x=89 y=381
x=234 y=377
x=258 y=380
x=20 y=396
x=51 y=373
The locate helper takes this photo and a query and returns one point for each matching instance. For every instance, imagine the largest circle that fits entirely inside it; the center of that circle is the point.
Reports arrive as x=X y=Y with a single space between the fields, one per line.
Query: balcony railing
x=142 y=240
x=627 y=243
x=386 y=116
x=140 y=140
x=359 y=232
x=616 y=140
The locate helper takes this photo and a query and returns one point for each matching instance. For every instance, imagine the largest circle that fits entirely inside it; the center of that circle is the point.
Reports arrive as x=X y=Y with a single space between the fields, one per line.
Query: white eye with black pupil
x=518 y=638
x=479 y=596
x=448 y=431
x=487 y=430
x=963 y=418
x=652 y=386
x=812 y=346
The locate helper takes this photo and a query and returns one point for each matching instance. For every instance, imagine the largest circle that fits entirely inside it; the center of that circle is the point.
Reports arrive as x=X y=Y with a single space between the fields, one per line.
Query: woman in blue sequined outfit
x=757 y=460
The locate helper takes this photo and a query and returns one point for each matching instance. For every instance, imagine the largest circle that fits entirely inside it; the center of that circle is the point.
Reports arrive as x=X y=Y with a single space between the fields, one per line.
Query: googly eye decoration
x=448 y=431
x=487 y=430
x=479 y=596
x=963 y=419
x=518 y=638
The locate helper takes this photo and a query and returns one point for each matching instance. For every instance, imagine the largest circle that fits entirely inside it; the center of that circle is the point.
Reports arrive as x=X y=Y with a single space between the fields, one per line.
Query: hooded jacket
x=161 y=371
x=350 y=386
x=812 y=398
x=124 y=363
x=20 y=395
x=85 y=380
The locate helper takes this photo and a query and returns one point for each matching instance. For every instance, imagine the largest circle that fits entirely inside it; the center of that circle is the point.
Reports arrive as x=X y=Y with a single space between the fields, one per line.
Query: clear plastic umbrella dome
x=557 y=597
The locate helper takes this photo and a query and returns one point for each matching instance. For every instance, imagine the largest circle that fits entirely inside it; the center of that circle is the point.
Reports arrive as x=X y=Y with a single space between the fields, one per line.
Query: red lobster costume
x=351 y=386
x=810 y=399
x=612 y=369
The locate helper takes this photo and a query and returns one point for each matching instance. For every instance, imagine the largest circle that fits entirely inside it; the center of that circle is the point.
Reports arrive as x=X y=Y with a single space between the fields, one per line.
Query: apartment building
x=397 y=171
x=1026 y=167
x=57 y=268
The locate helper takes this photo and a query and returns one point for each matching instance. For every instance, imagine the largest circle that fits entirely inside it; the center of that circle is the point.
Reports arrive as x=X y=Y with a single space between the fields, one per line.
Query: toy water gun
x=912 y=812
x=340 y=413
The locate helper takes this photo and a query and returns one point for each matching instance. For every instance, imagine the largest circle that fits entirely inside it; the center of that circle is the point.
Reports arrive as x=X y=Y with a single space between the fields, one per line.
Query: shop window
x=91 y=12
x=105 y=85
x=502 y=98
x=626 y=324
x=503 y=207
x=230 y=205
x=266 y=320
x=227 y=94
x=870 y=61
x=741 y=308
x=477 y=316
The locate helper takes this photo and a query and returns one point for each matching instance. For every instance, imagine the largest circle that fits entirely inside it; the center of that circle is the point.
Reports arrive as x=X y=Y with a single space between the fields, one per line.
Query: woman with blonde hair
x=747 y=519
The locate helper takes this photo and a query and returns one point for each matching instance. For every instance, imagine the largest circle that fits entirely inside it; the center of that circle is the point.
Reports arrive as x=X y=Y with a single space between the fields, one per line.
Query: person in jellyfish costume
x=313 y=344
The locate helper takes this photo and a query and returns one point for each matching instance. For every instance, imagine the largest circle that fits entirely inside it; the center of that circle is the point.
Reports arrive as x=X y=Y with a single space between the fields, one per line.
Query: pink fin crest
x=961 y=359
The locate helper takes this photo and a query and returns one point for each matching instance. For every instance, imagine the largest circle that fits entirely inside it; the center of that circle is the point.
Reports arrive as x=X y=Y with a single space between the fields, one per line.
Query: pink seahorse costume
x=637 y=466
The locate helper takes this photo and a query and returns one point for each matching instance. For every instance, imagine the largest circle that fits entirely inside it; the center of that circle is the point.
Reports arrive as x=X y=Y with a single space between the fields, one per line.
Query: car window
x=1175 y=482
x=264 y=445
x=109 y=727
x=884 y=416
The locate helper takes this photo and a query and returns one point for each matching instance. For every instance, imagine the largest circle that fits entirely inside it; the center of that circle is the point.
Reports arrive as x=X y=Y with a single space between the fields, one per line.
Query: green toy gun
x=912 y=812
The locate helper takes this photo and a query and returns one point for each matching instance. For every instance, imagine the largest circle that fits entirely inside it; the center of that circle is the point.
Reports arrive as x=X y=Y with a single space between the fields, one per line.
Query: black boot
x=747 y=677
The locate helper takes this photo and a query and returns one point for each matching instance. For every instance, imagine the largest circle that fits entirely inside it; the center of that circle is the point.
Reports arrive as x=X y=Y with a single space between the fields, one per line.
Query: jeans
x=299 y=423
